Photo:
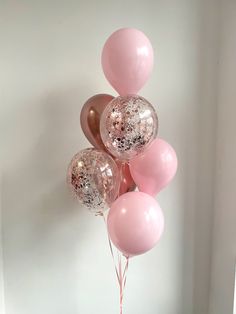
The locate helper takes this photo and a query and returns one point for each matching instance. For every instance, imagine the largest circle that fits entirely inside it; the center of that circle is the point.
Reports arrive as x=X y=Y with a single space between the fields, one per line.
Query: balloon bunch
x=127 y=152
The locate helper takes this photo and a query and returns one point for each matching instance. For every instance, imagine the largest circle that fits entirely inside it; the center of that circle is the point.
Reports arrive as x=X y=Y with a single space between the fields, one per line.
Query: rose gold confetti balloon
x=128 y=125
x=94 y=179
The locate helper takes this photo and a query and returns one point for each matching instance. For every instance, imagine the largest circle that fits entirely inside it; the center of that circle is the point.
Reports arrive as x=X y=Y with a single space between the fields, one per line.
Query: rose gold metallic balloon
x=90 y=118
x=126 y=183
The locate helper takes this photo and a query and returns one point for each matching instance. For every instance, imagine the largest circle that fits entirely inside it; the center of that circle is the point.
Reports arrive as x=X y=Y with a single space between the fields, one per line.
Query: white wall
x=224 y=231
x=2 y=298
x=234 y=293
x=56 y=258
x=205 y=165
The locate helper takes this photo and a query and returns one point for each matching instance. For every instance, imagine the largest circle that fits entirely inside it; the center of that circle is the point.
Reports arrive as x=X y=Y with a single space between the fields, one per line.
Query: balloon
x=94 y=179
x=90 y=118
x=127 y=183
x=153 y=170
x=127 y=60
x=135 y=223
x=128 y=125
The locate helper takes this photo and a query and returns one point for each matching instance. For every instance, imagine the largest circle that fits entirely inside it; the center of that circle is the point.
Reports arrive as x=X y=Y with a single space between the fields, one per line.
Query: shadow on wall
x=42 y=224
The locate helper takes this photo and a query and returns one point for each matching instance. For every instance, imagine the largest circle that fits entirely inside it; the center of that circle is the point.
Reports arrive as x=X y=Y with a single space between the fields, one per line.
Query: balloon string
x=121 y=284
x=123 y=277
x=111 y=249
x=125 y=271
x=120 y=274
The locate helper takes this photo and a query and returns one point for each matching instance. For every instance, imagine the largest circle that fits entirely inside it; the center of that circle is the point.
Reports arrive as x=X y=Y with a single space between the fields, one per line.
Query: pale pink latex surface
x=155 y=168
x=135 y=223
x=127 y=60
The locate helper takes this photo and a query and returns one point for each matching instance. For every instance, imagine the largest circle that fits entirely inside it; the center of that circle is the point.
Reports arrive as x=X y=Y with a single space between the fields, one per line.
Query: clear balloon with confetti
x=128 y=125
x=94 y=179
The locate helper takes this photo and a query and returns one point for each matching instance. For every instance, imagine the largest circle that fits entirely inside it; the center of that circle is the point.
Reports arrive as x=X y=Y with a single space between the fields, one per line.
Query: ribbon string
x=122 y=281
x=121 y=272
x=111 y=249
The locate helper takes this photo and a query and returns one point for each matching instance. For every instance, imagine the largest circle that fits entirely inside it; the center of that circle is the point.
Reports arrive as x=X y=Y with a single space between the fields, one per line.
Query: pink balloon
x=155 y=168
x=127 y=60
x=135 y=223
